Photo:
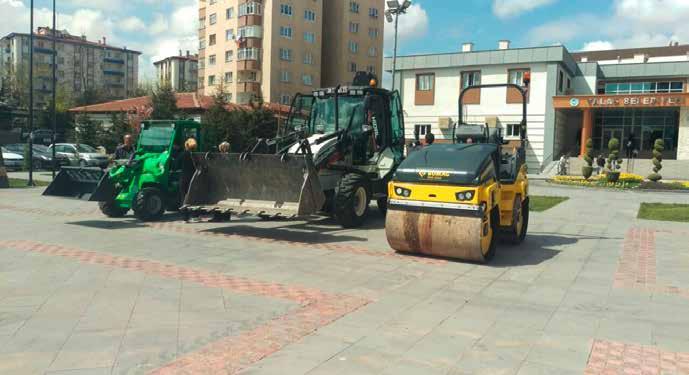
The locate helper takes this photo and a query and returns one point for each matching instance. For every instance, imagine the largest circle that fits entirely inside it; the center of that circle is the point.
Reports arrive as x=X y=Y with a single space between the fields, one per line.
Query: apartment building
x=352 y=39
x=636 y=94
x=180 y=72
x=81 y=64
x=274 y=49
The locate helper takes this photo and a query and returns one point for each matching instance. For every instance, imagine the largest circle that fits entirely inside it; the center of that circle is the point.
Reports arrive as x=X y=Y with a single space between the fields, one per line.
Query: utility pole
x=31 y=183
x=394 y=54
x=395 y=9
x=54 y=115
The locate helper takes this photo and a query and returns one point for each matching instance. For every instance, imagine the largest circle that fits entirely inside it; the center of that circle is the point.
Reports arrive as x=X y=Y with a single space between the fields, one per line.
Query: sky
x=160 y=28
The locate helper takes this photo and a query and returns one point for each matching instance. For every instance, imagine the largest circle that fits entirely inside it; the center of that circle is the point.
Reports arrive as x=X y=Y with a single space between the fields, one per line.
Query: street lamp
x=395 y=9
x=31 y=183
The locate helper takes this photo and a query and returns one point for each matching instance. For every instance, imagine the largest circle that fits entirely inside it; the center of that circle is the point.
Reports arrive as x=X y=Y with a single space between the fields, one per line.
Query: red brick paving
x=231 y=354
x=44 y=212
x=616 y=358
x=637 y=264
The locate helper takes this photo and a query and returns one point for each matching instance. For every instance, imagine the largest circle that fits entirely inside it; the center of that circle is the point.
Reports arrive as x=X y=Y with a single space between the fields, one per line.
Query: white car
x=12 y=160
x=81 y=155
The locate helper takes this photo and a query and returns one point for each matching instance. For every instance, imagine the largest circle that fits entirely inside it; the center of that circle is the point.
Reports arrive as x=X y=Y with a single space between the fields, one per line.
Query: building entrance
x=638 y=126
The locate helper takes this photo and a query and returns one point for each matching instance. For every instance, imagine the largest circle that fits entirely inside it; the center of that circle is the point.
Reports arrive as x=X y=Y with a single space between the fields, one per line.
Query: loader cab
x=160 y=136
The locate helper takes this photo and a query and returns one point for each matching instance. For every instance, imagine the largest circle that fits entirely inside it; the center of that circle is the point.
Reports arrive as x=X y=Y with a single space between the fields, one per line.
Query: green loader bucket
x=75 y=182
x=263 y=185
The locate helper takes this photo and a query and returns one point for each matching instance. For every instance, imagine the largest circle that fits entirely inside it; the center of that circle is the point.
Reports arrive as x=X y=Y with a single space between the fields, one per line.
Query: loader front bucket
x=264 y=185
x=75 y=182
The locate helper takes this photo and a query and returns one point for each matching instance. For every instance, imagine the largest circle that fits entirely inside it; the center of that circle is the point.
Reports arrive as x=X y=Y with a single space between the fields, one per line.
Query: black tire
x=515 y=235
x=347 y=206
x=149 y=205
x=383 y=205
x=109 y=209
x=494 y=220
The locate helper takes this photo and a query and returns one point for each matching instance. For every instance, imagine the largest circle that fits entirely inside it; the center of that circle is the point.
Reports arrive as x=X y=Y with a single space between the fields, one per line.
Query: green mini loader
x=147 y=183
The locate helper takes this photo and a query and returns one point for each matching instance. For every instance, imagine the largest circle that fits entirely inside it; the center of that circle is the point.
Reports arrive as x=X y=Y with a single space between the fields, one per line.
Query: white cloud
x=512 y=8
x=413 y=25
x=159 y=24
x=132 y=24
x=598 y=45
x=185 y=20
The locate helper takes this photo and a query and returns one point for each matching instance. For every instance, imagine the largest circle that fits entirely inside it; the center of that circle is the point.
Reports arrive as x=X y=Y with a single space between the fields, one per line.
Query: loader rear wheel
x=352 y=199
x=149 y=205
x=110 y=209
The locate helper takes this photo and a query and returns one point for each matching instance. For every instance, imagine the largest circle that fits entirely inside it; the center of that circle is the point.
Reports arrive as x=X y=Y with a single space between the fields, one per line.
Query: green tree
x=4 y=181
x=587 y=169
x=164 y=103
x=658 y=148
x=614 y=162
x=87 y=131
x=89 y=96
x=112 y=137
x=217 y=122
x=145 y=88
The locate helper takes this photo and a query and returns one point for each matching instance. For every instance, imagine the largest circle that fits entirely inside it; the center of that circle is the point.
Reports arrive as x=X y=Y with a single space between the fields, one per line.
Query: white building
x=180 y=72
x=571 y=96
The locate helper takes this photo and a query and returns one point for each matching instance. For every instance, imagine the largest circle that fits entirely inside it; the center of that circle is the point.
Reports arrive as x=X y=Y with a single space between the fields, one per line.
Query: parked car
x=13 y=161
x=81 y=154
x=42 y=137
x=42 y=156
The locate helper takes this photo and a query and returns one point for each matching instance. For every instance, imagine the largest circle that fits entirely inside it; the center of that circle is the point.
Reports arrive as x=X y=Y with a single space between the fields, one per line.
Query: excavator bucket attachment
x=263 y=185
x=75 y=182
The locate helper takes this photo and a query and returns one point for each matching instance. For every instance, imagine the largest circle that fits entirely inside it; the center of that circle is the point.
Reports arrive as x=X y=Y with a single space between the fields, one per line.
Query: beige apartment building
x=81 y=64
x=274 y=49
x=352 y=39
x=180 y=72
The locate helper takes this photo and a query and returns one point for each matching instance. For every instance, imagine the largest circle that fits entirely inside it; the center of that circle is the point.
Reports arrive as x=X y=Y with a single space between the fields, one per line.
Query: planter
x=587 y=171
x=613 y=176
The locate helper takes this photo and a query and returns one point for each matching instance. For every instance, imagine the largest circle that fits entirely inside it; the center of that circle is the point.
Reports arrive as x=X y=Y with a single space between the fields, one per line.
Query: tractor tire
x=383 y=205
x=517 y=233
x=352 y=198
x=110 y=209
x=149 y=205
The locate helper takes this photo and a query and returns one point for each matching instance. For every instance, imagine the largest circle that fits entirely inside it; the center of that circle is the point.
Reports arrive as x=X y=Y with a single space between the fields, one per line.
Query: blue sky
x=163 y=27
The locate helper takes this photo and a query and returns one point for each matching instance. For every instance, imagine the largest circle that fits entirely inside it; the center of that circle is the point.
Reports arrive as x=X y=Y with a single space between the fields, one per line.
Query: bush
x=658 y=148
x=614 y=161
x=587 y=170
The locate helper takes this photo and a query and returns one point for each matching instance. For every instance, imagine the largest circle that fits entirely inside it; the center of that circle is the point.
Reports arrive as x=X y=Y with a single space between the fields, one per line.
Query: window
x=569 y=84
x=309 y=15
x=229 y=56
x=248 y=54
x=202 y=43
x=229 y=13
x=354 y=7
x=560 y=81
x=229 y=34
x=517 y=76
x=622 y=88
x=286 y=32
x=211 y=60
x=286 y=9
x=308 y=58
x=307 y=79
x=284 y=76
x=252 y=8
x=352 y=67
x=211 y=40
x=285 y=54
x=371 y=69
x=471 y=79
x=213 y=1
x=202 y=23
x=228 y=77
x=250 y=31
x=373 y=52
x=212 y=19
x=211 y=80
x=512 y=130
x=285 y=99
x=422 y=129
x=353 y=27
x=353 y=46
x=424 y=82
x=373 y=12
x=373 y=32
x=309 y=37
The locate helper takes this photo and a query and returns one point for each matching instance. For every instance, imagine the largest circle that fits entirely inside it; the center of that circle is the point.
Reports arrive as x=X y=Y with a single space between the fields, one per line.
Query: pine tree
x=87 y=131
x=164 y=103
x=217 y=122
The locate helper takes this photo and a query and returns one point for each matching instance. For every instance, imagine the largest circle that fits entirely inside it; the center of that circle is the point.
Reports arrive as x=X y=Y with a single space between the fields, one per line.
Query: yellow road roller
x=457 y=200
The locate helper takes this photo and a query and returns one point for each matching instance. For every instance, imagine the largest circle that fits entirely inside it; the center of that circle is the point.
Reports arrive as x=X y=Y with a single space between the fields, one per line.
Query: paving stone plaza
x=593 y=290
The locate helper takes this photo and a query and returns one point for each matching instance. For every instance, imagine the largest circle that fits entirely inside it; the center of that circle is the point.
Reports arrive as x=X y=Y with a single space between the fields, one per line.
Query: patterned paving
x=232 y=354
x=616 y=358
x=637 y=265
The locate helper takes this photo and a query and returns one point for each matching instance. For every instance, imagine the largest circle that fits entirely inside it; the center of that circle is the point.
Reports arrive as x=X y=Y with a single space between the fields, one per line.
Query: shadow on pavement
x=301 y=232
x=536 y=249
x=128 y=222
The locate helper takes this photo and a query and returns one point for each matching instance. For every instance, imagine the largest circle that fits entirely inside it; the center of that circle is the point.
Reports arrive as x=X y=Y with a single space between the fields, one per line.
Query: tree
x=587 y=170
x=4 y=181
x=87 y=131
x=658 y=148
x=217 y=122
x=614 y=161
x=89 y=96
x=164 y=103
x=112 y=137
x=145 y=88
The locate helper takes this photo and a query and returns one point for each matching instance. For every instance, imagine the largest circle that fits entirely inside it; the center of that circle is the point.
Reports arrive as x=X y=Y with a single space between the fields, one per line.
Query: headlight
x=402 y=192
x=465 y=196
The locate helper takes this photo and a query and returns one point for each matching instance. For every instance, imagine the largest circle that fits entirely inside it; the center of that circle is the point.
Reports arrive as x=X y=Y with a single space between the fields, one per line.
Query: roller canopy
x=460 y=164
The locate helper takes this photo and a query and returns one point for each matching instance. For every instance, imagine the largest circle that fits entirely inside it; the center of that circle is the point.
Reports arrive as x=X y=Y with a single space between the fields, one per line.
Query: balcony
x=249 y=87
x=113 y=73
x=48 y=51
x=113 y=61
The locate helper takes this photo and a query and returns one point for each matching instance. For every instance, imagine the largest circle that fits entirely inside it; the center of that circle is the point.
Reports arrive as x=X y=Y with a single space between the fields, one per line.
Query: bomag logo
x=433 y=175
